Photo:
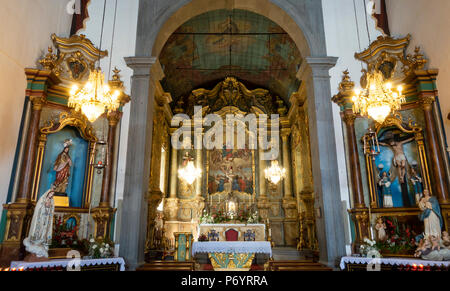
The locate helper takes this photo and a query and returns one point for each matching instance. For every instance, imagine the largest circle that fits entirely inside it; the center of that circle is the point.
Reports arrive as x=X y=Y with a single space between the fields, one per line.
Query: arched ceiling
x=238 y=43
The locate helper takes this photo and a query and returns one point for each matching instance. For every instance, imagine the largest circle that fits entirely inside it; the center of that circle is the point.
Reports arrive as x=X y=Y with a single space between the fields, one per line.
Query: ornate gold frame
x=223 y=112
x=397 y=122
x=86 y=131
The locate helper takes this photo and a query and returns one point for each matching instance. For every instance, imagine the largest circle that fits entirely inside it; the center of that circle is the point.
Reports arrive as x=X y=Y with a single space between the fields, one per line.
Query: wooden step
x=167 y=266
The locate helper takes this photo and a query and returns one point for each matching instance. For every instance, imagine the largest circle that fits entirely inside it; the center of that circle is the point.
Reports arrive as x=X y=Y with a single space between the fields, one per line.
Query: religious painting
x=398 y=175
x=64 y=165
x=230 y=170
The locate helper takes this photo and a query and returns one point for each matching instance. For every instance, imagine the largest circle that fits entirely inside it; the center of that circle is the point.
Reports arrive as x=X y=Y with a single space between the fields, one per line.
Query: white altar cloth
x=64 y=262
x=257 y=247
x=391 y=261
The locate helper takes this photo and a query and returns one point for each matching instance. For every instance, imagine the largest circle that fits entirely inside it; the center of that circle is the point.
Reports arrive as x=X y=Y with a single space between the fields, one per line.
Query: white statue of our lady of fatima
x=40 y=235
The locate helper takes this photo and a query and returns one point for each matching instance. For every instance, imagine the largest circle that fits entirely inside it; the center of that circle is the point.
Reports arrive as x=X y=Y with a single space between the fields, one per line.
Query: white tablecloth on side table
x=391 y=261
x=64 y=262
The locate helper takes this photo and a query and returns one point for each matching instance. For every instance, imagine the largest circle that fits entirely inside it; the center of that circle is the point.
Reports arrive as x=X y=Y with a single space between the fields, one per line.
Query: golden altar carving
x=259 y=229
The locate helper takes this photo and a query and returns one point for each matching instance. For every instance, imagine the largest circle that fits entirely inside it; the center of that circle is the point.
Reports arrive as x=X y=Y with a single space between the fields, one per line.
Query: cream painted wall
x=24 y=36
x=428 y=22
x=342 y=41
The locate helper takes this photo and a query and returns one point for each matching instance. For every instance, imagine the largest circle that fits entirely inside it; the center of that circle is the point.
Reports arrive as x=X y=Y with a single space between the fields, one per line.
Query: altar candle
x=270 y=232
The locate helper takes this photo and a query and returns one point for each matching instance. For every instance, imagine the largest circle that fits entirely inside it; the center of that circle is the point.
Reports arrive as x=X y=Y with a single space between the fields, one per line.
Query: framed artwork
x=64 y=165
x=230 y=170
x=65 y=150
x=399 y=173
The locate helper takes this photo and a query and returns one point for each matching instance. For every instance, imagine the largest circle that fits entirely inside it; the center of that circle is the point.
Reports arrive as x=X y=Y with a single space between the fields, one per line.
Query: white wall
x=428 y=22
x=24 y=36
x=124 y=46
x=342 y=41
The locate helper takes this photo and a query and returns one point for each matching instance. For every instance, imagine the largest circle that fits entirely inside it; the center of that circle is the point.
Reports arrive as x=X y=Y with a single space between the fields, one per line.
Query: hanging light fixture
x=378 y=99
x=189 y=173
x=275 y=173
x=95 y=97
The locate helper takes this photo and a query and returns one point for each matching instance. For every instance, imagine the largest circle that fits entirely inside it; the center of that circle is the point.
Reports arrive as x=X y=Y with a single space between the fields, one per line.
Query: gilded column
x=173 y=172
x=287 y=166
x=107 y=182
x=437 y=160
x=199 y=165
x=360 y=213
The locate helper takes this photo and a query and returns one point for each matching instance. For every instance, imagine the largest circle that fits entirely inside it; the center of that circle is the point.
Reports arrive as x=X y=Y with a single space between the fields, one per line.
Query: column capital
x=140 y=65
x=320 y=66
x=114 y=117
x=348 y=117
x=427 y=101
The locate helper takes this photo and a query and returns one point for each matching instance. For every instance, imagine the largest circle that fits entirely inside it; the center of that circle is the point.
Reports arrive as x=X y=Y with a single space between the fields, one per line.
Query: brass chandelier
x=275 y=173
x=96 y=96
x=378 y=99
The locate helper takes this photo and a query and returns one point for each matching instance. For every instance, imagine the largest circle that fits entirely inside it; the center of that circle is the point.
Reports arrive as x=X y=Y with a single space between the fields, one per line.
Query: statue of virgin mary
x=40 y=235
x=430 y=215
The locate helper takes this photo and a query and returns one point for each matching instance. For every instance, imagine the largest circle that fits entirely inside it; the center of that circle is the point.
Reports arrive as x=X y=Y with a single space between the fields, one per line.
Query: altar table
x=259 y=229
x=232 y=255
x=108 y=264
x=389 y=264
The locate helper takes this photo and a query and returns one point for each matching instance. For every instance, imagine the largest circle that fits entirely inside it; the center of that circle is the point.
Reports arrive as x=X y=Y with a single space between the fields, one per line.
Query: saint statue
x=385 y=184
x=62 y=167
x=430 y=215
x=399 y=160
x=40 y=235
x=416 y=180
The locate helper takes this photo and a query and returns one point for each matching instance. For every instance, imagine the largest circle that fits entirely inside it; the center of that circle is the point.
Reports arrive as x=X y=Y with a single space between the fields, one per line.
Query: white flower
x=107 y=245
x=91 y=240
x=102 y=250
x=94 y=247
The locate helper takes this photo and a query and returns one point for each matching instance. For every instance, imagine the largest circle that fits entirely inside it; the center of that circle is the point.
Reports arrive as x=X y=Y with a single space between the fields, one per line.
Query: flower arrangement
x=64 y=235
x=370 y=249
x=218 y=216
x=400 y=238
x=203 y=237
x=100 y=248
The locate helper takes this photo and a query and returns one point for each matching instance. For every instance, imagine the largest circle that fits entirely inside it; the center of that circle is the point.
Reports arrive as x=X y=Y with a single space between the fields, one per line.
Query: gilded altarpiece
x=411 y=156
x=184 y=205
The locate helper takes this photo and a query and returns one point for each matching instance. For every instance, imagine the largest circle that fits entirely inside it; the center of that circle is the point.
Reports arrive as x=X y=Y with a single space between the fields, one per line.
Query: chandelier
x=189 y=173
x=275 y=173
x=378 y=99
x=95 y=97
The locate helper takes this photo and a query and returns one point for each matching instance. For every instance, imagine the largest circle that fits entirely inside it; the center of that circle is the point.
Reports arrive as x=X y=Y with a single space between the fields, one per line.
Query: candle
x=270 y=232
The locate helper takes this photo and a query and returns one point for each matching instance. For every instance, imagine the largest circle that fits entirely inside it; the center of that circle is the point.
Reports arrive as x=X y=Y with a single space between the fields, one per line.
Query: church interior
x=225 y=135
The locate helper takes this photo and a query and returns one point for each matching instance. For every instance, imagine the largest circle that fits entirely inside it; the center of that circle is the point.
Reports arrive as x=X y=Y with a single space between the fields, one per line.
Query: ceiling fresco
x=236 y=43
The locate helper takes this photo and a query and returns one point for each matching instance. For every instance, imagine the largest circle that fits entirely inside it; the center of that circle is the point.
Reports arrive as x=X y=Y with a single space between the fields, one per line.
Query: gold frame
x=86 y=131
x=397 y=122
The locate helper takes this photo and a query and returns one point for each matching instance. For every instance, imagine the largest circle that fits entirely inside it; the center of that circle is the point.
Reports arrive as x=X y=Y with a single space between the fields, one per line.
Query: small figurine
x=381 y=229
x=435 y=243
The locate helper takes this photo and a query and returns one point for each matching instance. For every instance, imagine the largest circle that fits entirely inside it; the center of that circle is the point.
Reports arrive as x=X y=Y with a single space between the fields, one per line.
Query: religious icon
x=416 y=180
x=386 y=194
x=399 y=161
x=430 y=215
x=62 y=168
x=40 y=235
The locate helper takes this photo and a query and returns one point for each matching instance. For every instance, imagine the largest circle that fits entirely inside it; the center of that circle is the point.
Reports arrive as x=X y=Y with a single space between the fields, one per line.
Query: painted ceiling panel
x=238 y=43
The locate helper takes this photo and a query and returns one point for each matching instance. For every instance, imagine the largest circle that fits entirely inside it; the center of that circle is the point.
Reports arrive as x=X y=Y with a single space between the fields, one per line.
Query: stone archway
x=304 y=23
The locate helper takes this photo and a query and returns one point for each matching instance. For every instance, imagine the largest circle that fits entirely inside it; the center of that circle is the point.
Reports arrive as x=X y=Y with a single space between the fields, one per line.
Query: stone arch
x=303 y=21
x=180 y=13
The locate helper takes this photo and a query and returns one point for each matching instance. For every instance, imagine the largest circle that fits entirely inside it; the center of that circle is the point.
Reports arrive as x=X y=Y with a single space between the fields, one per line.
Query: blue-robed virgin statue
x=430 y=215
